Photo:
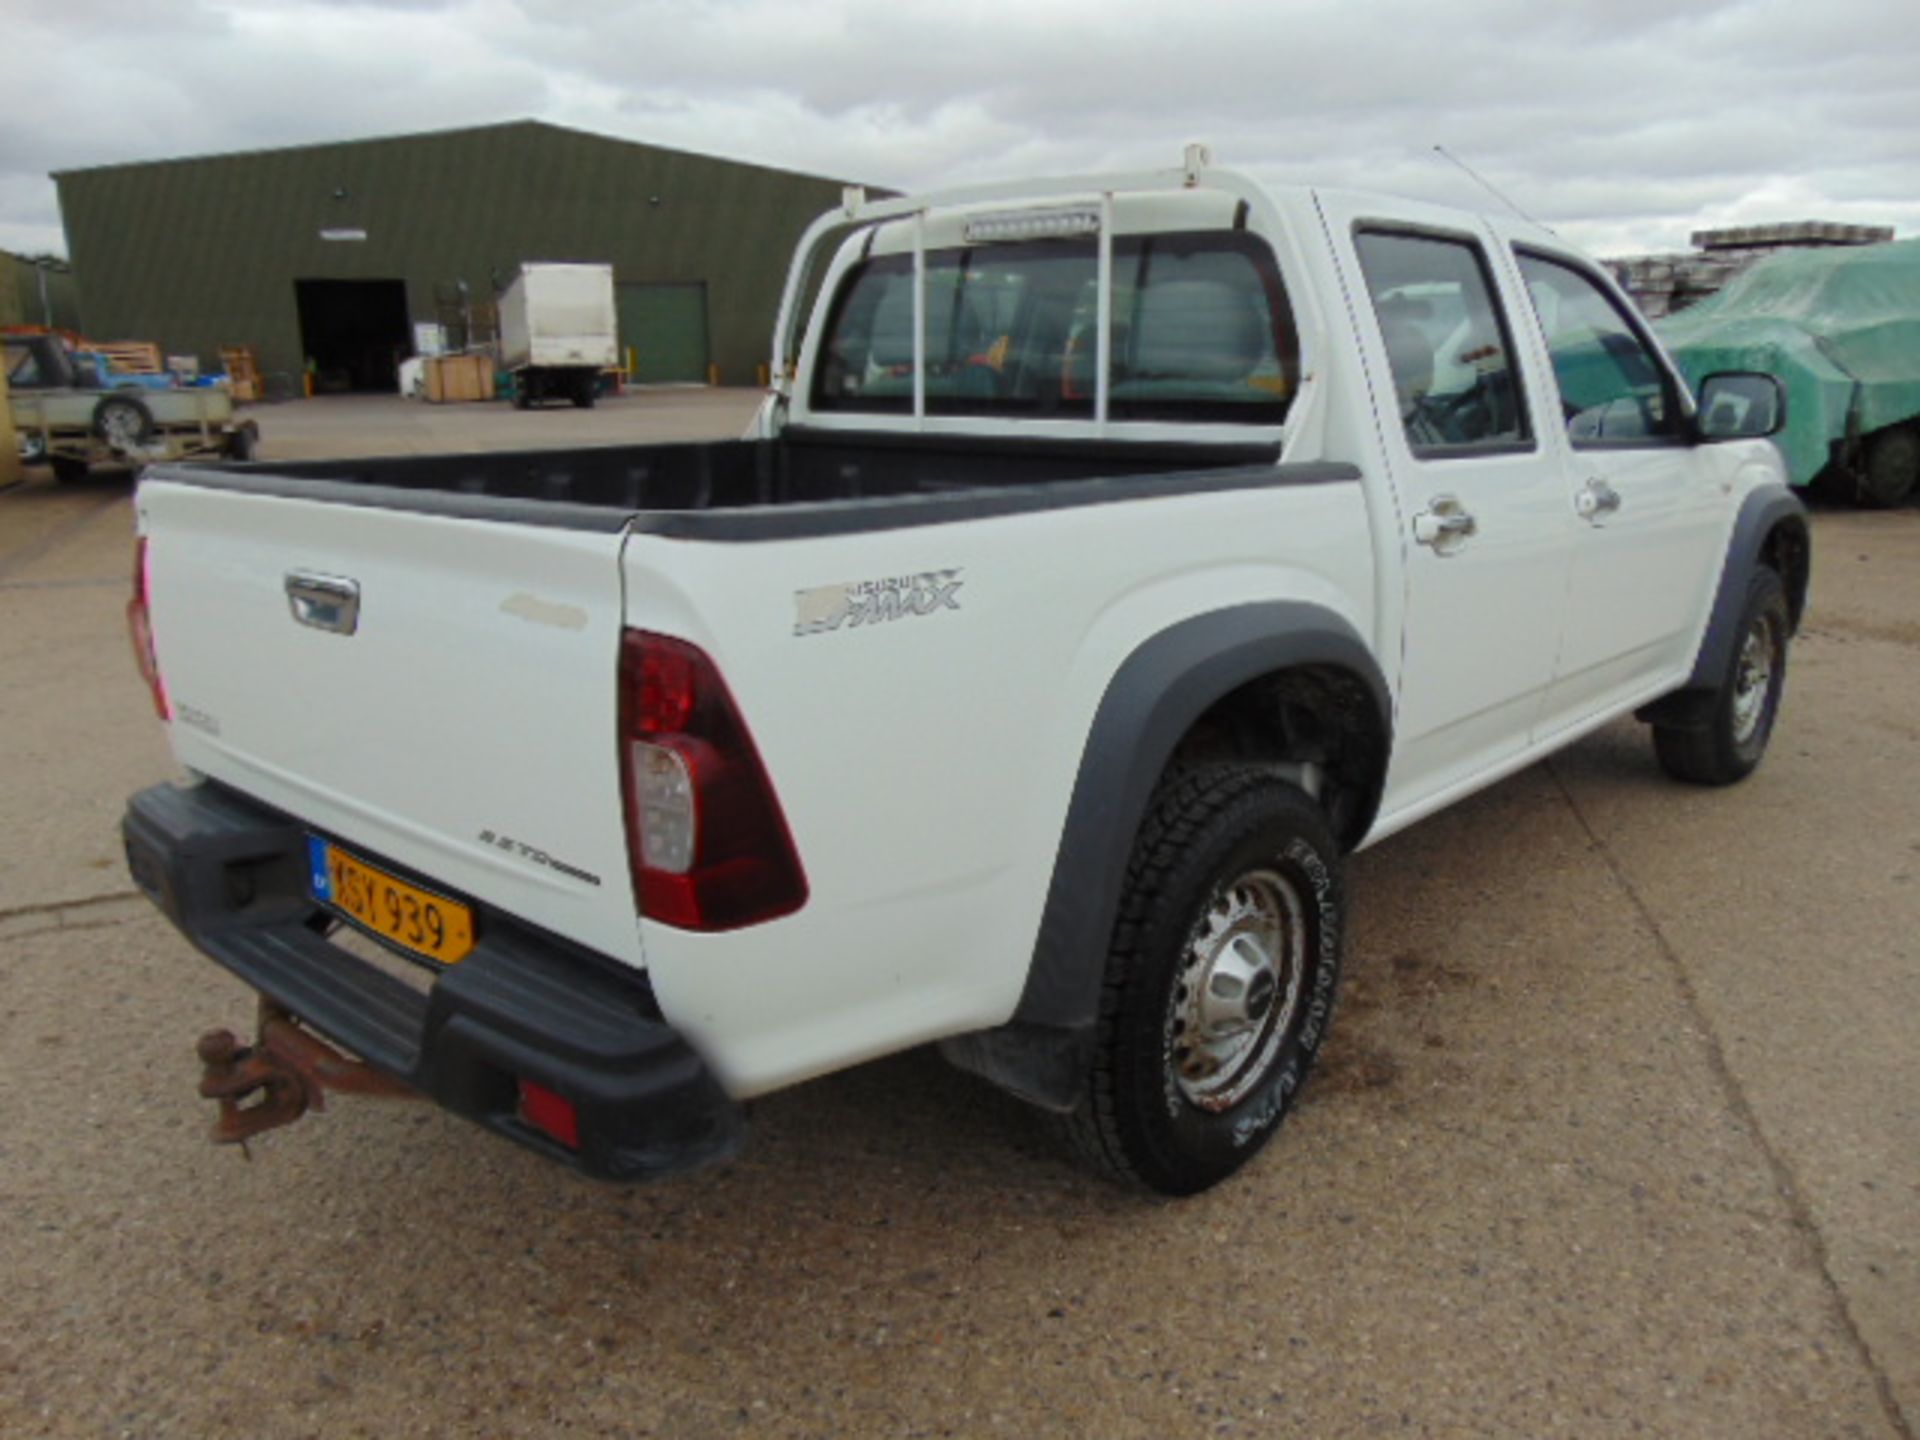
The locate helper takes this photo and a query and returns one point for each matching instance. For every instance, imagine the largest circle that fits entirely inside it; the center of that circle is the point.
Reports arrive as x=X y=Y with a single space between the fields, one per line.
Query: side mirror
x=1741 y=405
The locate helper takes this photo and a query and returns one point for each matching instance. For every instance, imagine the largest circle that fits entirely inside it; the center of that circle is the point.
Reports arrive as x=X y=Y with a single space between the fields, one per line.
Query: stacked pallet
x=1662 y=284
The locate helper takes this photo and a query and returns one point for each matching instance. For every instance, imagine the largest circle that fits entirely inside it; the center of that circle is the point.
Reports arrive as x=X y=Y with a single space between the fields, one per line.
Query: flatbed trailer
x=73 y=427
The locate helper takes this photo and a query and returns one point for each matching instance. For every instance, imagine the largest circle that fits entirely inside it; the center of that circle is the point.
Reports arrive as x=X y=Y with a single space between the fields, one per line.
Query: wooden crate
x=133 y=357
x=453 y=379
x=243 y=373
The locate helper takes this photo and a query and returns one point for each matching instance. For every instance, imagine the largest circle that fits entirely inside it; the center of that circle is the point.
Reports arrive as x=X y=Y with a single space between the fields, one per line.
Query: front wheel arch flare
x=1771 y=527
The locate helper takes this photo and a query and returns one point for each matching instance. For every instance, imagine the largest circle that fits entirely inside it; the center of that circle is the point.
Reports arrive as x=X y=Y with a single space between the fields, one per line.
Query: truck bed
x=800 y=484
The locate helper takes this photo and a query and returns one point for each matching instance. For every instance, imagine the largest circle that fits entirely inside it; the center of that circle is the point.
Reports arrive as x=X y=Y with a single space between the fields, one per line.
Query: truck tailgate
x=464 y=729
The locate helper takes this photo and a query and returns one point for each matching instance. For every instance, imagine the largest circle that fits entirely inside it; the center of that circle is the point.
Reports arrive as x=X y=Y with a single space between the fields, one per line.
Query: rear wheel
x=1892 y=469
x=1741 y=712
x=584 y=391
x=1220 y=980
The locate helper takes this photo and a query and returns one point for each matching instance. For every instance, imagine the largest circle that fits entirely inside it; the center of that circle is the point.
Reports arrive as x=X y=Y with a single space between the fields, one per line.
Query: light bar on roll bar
x=1031 y=225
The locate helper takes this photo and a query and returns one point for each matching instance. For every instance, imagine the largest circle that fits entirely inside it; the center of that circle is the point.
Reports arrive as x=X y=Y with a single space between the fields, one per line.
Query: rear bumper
x=523 y=1005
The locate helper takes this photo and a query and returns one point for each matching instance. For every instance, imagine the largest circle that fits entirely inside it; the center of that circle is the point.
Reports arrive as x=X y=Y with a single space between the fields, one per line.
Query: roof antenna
x=1487 y=185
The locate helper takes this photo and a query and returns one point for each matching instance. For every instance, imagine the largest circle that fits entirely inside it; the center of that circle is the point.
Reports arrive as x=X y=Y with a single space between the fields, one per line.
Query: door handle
x=1444 y=524
x=326 y=602
x=1595 y=500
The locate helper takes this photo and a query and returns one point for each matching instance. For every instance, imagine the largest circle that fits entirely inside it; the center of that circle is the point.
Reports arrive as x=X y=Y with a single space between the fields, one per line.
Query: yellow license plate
x=412 y=918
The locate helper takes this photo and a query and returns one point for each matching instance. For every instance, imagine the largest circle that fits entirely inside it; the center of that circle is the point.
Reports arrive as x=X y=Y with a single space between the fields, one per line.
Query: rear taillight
x=140 y=628
x=709 y=847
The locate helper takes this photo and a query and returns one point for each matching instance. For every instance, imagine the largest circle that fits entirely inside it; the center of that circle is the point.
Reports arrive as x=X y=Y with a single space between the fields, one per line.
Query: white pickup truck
x=1112 y=558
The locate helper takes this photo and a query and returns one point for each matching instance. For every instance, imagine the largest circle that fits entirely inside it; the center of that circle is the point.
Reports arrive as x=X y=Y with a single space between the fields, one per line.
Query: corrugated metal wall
x=202 y=253
x=20 y=295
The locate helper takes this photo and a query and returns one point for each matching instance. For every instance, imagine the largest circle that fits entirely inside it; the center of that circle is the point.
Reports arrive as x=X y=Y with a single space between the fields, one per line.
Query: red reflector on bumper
x=552 y=1115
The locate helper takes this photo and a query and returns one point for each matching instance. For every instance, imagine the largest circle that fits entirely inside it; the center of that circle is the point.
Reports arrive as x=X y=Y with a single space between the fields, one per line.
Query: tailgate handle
x=326 y=602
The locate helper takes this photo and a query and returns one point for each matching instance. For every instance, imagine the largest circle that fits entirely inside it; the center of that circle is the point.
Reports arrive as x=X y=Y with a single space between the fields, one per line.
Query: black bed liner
x=804 y=483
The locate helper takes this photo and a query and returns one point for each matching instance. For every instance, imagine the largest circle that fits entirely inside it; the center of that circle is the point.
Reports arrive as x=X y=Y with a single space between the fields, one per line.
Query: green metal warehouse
x=326 y=257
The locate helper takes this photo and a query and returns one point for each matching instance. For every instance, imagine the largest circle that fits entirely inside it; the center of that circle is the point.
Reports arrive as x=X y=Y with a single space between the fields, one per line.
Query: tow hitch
x=286 y=1072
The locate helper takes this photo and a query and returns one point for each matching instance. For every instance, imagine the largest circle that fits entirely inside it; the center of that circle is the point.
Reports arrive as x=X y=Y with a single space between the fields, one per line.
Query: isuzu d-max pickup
x=1113 y=557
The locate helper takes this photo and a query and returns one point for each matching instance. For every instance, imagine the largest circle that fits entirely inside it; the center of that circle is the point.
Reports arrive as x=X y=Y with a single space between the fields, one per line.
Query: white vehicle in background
x=558 y=332
x=1113 y=557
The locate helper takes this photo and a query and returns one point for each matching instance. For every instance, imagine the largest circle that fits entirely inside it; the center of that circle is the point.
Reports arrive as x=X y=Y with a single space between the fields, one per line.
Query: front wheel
x=1220 y=980
x=1740 y=714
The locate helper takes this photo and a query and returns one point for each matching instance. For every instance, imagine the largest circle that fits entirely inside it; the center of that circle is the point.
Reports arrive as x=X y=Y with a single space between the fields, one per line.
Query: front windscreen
x=1201 y=332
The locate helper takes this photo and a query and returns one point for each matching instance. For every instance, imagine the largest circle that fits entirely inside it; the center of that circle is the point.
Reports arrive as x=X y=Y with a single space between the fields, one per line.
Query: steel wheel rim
x=1753 y=680
x=120 y=426
x=1237 y=990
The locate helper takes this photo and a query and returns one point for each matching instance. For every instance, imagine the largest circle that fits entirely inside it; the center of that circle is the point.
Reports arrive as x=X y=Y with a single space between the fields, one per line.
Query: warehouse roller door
x=665 y=328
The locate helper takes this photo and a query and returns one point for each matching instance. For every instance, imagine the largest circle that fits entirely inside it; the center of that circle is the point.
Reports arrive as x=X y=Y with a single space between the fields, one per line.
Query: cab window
x=1454 y=379
x=1613 y=390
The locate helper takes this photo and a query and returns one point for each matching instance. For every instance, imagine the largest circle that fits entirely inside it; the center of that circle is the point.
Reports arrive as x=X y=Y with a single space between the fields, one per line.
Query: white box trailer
x=558 y=331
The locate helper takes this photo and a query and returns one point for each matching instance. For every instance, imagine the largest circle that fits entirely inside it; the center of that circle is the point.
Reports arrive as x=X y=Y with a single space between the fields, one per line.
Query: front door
x=1646 y=552
x=1483 y=512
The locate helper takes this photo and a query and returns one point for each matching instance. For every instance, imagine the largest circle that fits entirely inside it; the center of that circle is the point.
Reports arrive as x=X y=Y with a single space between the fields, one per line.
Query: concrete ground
x=1618 y=1131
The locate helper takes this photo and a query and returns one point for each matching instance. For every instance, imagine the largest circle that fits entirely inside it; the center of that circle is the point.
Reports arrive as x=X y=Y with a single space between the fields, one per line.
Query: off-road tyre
x=1891 y=472
x=585 y=392
x=1208 y=832
x=1742 y=711
x=68 y=469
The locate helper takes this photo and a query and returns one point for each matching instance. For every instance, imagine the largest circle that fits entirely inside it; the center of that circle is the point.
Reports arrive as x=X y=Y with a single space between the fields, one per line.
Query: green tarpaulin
x=1840 y=328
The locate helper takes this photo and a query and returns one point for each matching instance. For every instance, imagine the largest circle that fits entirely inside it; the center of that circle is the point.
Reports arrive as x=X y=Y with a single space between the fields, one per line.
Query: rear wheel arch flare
x=1194 y=690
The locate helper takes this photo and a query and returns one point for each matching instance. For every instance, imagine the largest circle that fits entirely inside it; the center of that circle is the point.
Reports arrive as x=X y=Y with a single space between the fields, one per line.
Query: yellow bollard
x=9 y=443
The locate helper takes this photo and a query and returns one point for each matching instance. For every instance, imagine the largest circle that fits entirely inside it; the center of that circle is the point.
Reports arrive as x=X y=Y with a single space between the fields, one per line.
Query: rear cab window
x=1201 y=331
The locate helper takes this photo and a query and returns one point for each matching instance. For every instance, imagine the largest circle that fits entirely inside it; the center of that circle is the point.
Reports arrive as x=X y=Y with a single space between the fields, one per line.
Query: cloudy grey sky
x=1624 y=123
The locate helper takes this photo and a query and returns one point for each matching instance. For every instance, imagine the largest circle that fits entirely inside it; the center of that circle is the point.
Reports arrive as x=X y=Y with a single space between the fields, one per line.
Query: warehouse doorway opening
x=664 y=329
x=354 y=333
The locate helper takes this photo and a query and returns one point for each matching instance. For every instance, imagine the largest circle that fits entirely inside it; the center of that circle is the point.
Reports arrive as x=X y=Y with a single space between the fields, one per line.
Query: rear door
x=1648 y=516
x=434 y=691
x=1485 y=529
